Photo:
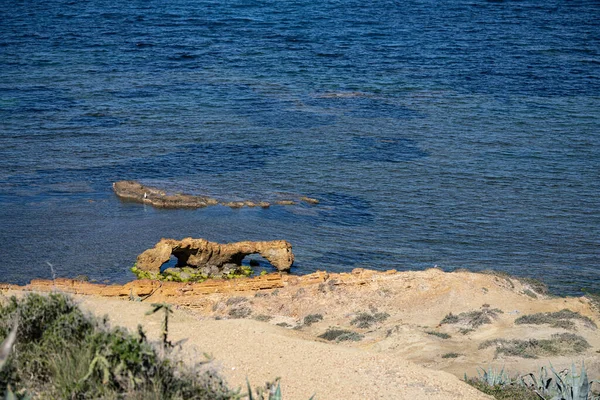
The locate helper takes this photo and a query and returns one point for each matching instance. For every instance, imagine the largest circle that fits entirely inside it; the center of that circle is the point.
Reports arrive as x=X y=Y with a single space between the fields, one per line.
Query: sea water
x=462 y=134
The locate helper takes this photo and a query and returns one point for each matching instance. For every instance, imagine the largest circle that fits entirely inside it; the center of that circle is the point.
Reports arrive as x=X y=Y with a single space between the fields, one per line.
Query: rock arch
x=200 y=253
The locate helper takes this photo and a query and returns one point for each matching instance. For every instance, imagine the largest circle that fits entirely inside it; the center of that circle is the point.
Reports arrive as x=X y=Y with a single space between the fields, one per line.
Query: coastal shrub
x=504 y=392
x=558 y=344
x=240 y=312
x=365 y=320
x=451 y=355
x=559 y=319
x=60 y=353
x=441 y=335
x=312 y=318
x=341 y=335
x=263 y=318
x=473 y=319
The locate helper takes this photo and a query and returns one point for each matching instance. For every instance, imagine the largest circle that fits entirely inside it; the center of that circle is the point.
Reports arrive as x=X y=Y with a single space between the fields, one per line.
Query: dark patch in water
x=364 y=105
x=383 y=149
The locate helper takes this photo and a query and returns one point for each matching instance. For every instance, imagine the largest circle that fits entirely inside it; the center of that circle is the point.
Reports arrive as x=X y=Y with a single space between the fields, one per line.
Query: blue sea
x=462 y=134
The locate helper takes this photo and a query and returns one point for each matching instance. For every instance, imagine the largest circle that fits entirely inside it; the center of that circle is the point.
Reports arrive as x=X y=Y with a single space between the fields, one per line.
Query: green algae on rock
x=188 y=274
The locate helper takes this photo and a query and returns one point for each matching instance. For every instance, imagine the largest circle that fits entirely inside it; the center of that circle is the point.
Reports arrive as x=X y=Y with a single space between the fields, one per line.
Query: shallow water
x=462 y=134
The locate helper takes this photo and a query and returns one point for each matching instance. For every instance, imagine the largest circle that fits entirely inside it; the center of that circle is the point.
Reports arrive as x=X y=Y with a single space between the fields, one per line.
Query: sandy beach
x=408 y=353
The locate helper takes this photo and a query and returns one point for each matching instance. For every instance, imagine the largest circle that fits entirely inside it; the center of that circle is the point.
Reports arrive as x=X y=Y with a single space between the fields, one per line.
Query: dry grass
x=560 y=319
x=558 y=344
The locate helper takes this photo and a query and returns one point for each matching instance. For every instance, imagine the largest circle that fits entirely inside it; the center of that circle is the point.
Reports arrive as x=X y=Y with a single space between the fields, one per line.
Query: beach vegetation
x=240 y=312
x=559 y=319
x=167 y=309
x=568 y=384
x=558 y=344
x=365 y=320
x=341 y=335
x=451 y=355
x=441 y=335
x=263 y=317
x=50 y=349
x=473 y=319
x=59 y=352
x=312 y=318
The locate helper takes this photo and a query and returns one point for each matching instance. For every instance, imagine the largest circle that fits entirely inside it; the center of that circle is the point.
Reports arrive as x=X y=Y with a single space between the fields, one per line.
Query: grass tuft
x=441 y=335
x=473 y=319
x=451 y=355
x=559 y=319
x=340 y=335
x=365 y=320
x=312 y=318
x=558 y=344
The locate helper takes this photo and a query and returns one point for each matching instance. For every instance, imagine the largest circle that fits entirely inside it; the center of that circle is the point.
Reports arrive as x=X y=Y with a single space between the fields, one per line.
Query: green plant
x=165 y=324
x=564 y=385
x=473 y=319
x=312 y=318
x=341 y=335
x=267 y=392
x=492 y=377
x=504 y=392
x=441 y=335
x=59 y=352
x=558 y=344
x=451 y=355
x=571 y=385
x=364 y=320
x=240 y=312
x=263 y=318
x=559 y=319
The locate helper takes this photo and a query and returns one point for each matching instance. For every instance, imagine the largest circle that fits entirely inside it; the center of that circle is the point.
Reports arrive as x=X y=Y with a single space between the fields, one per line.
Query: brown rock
x=134 y=191
x=201 y=253
x=285 y=202
x=309 y=200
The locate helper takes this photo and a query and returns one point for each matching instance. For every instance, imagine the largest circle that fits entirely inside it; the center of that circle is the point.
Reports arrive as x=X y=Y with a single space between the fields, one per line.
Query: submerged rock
x=210 y=258
x=136 y=192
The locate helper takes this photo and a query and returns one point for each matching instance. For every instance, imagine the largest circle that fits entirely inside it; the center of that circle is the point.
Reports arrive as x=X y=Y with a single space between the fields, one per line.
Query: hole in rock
x=172 y=263
x=258 y=264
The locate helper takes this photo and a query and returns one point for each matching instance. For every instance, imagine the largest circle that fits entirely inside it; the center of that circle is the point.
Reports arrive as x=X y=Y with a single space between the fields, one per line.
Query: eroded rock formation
x=200 y=253
x=136 y=192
